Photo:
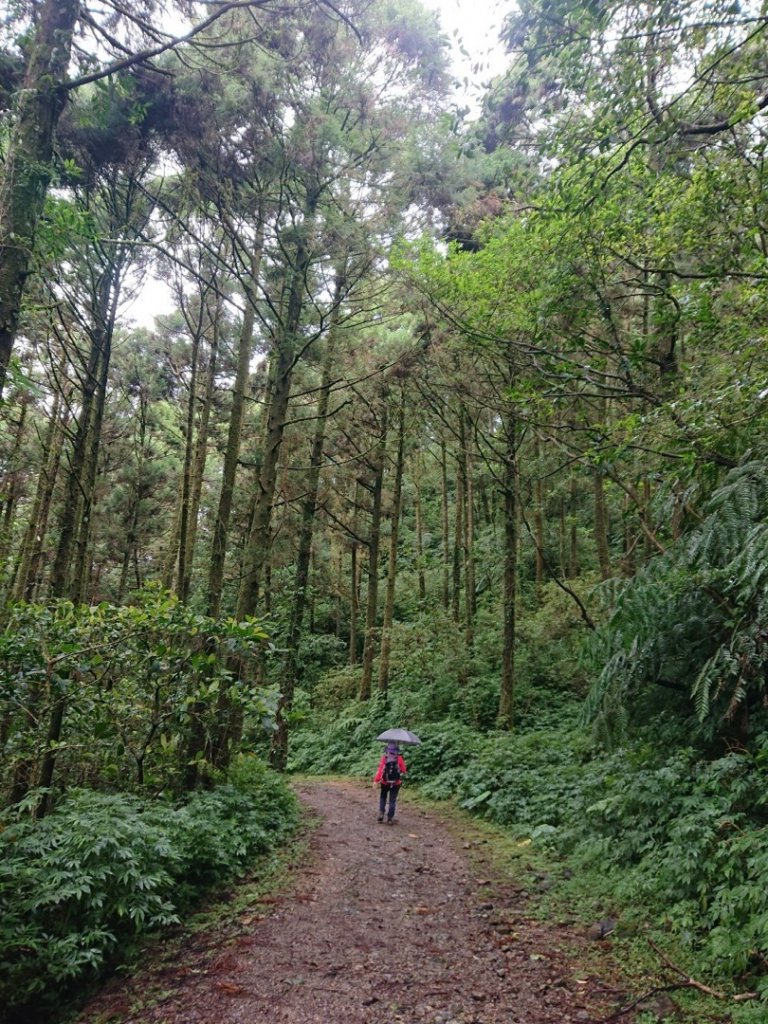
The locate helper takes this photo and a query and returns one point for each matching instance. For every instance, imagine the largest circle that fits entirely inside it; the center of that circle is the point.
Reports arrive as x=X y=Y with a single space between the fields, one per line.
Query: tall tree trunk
x=446 y=588
x=664 y=324
x=372 y=602
x=563 y=532
x=234 y=433
x=201 y=451
x=600 y=507
x=470 y=608
x=538 y=528
x=354 y=584
x=644 y=509
x=78 y=589
x=257 y=544
x=394 y=534
x=132 y=531
x=52 y=740
x=30 y=552
x=83 y=463
x=10 y=484
x=601 y=525
x=291 y=665
x=458 y=546
x=186 y=476
x=419 y=532
x=171 y=555
x=26 y=172
x=284 y=359
x=338 y=607
x=573 y=547
x=507 y=689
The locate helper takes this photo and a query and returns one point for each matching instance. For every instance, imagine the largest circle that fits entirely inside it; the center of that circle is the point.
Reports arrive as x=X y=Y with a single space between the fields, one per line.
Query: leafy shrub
x=341 y=741
x=134 y=686
x=101 y=869
x=449 y=748
x=686 y=839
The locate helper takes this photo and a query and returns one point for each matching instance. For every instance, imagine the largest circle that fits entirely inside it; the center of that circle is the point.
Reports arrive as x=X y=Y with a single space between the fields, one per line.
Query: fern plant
x=692 y=623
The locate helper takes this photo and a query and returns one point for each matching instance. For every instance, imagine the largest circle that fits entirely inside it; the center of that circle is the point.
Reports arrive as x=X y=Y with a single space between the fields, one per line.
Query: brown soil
x=400 y=924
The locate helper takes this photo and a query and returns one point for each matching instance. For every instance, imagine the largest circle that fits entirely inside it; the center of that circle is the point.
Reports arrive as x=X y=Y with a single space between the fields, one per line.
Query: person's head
x=392 y=748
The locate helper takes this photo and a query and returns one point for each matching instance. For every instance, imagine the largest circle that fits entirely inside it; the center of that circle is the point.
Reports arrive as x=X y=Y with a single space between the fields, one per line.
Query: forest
x=457 y=423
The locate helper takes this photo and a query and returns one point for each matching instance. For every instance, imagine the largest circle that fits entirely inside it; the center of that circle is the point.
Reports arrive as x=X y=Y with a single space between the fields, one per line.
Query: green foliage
x=690 y=623
x=342 y=741
x=81 y=885
x=135 y=684
x=683 y=840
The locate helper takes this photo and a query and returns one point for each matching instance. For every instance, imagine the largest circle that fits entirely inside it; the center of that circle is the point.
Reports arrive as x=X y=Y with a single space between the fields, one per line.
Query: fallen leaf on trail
x=226 y=986
x=413 y=835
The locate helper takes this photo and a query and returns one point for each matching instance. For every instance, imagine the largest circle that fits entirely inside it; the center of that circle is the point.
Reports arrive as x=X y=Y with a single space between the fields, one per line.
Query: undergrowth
x=81 y=886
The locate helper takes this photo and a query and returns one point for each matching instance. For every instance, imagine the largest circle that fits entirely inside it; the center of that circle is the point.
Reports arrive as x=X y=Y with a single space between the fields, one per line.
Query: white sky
x=472 y=25
x=477 y=24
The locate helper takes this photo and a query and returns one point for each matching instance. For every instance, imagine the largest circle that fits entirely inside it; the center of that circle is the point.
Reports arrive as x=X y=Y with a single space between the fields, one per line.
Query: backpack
x=391 y=774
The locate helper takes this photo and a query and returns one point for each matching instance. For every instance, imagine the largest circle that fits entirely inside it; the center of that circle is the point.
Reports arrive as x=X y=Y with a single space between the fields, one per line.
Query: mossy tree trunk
x=26 y=172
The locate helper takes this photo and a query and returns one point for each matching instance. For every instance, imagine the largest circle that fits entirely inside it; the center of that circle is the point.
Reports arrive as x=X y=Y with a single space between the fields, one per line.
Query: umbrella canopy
x=399 y=736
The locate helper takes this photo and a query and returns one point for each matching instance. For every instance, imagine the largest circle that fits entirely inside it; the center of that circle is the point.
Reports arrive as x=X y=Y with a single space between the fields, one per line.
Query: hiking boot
x=380 y=817
x=390 y=821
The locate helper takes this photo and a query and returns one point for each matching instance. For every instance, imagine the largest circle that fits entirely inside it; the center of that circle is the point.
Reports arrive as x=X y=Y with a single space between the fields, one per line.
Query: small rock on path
x=385 y=925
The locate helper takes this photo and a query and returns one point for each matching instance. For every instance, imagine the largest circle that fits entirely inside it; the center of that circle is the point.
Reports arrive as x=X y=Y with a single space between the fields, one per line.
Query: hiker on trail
x=389 y=776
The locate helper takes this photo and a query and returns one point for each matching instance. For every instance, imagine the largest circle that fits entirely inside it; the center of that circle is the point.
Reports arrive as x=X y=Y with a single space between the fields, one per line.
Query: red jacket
x=400 y=765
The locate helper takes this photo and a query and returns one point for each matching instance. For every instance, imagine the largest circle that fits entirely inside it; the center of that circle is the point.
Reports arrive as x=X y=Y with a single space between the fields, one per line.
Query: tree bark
x=354 y=584
x=27 y=579
x=419 y=533
x=200 y=455
x=601 y=525
x=507 y=689
x=234 y=433
x=10 y=483
x=458 y=547
x=291 y=669
x=538 y=532
x=573 y=545
x=73 y=535
x=182 y=574
x=104 y=334
x=445 y=530
x=389 y=599
x=133 y=517
x=470 y=603
x=284 y=359
x=27 y=167
x=372 y=609
x=256 y=551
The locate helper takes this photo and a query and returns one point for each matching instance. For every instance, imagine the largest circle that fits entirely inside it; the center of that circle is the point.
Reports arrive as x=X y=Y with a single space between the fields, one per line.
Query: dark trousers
x=392 y=791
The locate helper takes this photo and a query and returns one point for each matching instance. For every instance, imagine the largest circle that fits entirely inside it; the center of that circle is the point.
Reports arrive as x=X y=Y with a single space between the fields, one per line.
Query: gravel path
x=384 y=925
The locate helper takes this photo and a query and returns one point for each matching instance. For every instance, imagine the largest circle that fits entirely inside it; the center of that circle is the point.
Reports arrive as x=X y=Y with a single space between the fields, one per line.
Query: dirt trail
x=384 y=925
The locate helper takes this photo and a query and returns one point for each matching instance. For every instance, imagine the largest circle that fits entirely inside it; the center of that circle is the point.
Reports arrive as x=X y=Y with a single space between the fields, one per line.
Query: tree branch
x=155 y=51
